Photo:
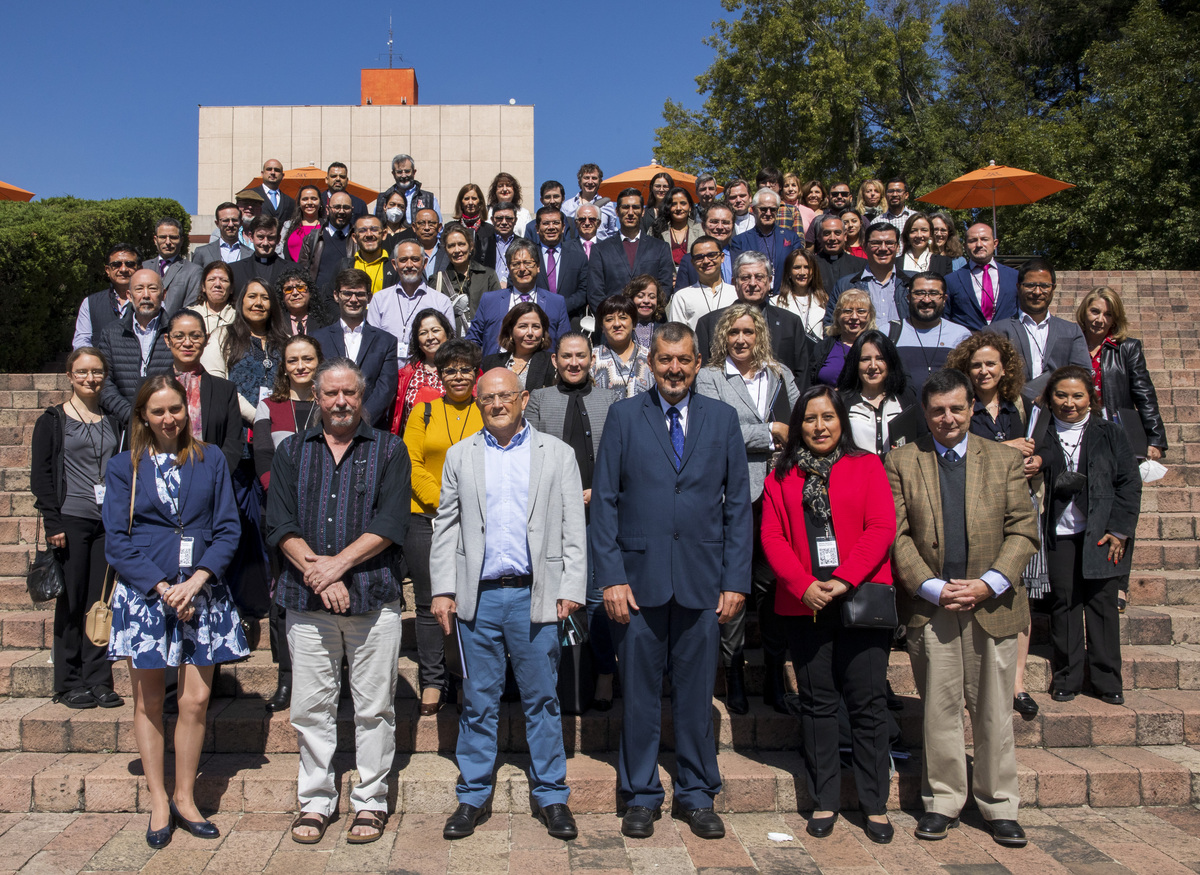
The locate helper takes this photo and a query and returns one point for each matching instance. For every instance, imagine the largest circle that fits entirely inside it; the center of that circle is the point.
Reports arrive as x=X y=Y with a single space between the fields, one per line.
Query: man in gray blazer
x=508 y=557
x=1046 y=342
x=180 y=278
x=229 y=246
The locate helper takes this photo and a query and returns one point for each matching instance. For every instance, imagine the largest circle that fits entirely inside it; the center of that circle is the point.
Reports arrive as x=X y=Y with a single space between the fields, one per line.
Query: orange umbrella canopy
x=994 y=186
x=311 y=175
x=640 y=177
x=12 y=193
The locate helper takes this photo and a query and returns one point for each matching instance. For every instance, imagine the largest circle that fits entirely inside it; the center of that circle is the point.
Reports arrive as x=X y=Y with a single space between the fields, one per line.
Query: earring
x=145 y=424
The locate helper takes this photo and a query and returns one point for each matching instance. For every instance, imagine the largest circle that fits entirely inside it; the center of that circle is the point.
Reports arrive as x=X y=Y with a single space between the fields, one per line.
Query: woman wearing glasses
x=852 y=315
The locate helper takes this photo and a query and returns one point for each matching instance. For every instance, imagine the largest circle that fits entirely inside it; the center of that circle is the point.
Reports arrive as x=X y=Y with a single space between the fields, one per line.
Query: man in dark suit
x=983 y=291
x=627 y=254
x=1046 y=342
x=522 y=280
x=833 y=261
x=228 y=247
x=275 y=203
x=337 y=177
x=789 y=340
x=880 y=278
x=180 y=277
x=562 y=263
x=671 y=540
x=266 y=264
x=371 y=348
x=717 y=224
x=552 y=194
x=766 y=236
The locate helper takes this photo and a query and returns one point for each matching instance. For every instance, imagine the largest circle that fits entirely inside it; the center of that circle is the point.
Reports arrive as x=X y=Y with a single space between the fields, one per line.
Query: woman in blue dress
x=173 y=529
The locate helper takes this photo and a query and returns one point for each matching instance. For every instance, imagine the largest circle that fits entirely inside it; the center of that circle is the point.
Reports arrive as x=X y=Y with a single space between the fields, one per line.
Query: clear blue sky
x=100 y=99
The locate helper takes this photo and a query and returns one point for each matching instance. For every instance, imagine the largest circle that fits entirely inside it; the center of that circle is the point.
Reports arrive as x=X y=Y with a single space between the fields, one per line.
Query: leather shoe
x=1062 y=696
x=201 y=829
x=879 y=833
x=106 y=698
x=735 y=690
x=933 y=826
x=1007 y=833
x=1024 y=704
x=821 y=827
x=1112 y=698
x=80 y=699
x=465 y=818
x=160 y=838
x=558 y=820
x=705 y=822
x=282 y=700
x=638 y=821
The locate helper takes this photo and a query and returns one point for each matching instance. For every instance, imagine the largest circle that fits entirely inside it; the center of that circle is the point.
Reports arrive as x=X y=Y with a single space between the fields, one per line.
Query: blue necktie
x=676 y=435
x=951 y=456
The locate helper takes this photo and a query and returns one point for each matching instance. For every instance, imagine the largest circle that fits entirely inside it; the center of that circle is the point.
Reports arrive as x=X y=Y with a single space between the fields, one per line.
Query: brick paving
x=1086 y=841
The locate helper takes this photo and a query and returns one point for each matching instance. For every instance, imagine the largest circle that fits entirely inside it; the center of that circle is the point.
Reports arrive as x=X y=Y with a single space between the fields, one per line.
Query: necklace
x=512 y=365
x=462 y=432
x=929 y=358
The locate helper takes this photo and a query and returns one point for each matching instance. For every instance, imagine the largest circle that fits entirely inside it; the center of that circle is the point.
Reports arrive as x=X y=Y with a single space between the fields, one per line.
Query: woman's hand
x=818 y=595
x=1116 y=547
x=180 y=596
x=1033 y=464
x=779 y=434
x=1154 y=454
x=1025 y=445
x=587 y=497
x=59 y=541
x=838 y=588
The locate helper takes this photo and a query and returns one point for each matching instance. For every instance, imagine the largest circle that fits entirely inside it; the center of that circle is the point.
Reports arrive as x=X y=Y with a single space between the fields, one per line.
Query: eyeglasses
x=117 y=265
x=522 y=263
x=355 y=293
x=1037 y=287
x=83 y=375
x=771 y=210
x=927 y=296
x=297 y=288
x=502 y=397
x=881 y=244
x=705 y=256
x=194 y=337
x=589 y=219
x=458 y=372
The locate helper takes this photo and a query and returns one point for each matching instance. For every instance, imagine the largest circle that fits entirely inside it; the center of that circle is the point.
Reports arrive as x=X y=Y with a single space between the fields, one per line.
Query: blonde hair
x=834 y=330
x=860 y=205
x=1116 y=309
x=761 y=356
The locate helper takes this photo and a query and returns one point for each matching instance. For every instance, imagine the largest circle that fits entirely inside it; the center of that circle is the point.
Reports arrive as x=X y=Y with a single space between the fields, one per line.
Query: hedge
x=52 y=257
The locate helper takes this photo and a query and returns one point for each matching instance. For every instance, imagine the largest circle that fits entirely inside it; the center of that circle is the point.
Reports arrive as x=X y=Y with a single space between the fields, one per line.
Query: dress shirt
x=272 y=195
x=514 y=296
x=352 y=337
x=692 y=302
x=883 y=296
x=931 y=590
x=609 y=223
x=394 y=311
x=83 y=322
x=230 y=252
x=502 y=257
x=430 y=259
x=681 y=406
x=743 y=223
x=726 y=265
x=1039 y=336
x=756 y=385
x=977 y=282
x=506 y=474
x=145 y=338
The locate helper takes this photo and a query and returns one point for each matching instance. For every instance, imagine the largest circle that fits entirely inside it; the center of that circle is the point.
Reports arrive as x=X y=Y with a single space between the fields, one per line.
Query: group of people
x=660 y=411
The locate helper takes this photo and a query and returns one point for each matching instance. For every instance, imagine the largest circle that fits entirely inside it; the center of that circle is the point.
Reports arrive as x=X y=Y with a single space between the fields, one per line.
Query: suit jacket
x=211 y=252
x=538 y=375
x=714 y=382
x=221 y=417
x=570 y=229
x=961 y=306
x=789 y=341
x=181 y=285
x=859 y=281
x=547 y=411
x=752 y=241
x=1065 y=344
x=286 y=204
x=572 y=274
x=485 y=245
x=556 y=528
x=357 y=205
x=149 y=553
x=1002 y=533
x=683 y=534
x=493 y=307
x=378 y=361
x=609 y=273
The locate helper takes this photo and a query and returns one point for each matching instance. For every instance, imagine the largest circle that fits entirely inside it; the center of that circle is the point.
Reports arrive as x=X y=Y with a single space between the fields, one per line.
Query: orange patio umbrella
x=640 y=177
x=994 y=186
x=312 y=175
x=12 y=193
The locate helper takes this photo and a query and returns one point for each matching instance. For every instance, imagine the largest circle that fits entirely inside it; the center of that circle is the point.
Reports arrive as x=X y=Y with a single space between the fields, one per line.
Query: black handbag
x=45 y=579
x=870 y=606
x=576 y=679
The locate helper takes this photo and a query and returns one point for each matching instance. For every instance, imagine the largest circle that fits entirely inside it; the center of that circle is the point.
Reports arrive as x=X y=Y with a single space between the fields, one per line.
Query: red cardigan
x=864 y=524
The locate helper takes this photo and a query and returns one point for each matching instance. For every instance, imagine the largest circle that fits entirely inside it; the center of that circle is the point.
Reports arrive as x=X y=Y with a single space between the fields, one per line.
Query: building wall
x=452 y=145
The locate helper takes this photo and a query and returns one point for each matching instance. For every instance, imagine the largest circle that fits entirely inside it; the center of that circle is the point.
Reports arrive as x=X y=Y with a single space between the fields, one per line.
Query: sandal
x=376 y=820
x=310 y=819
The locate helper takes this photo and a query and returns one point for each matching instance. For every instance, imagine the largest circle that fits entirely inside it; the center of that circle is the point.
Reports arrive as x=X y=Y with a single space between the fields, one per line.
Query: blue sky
x=100 y=99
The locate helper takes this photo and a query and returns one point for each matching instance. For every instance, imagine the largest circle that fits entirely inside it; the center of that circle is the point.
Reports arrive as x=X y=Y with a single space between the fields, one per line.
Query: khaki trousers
x=955 y=662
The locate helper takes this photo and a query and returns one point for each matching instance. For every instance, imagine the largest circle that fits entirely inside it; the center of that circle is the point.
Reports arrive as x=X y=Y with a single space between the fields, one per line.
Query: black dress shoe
x=879 y=833
x=1062 y=696
x=1007 y=833
x=282 y=700
x=705 y=822
x=1023 y=703
x=80 y=699
x=735 y=690
x=933 y=826
x=106 y=698
x=465 y=818
x=821 y=827
x=160 y=838
x=558 y=820
x=638 y=821
x=201 y=829
x=1112 y=698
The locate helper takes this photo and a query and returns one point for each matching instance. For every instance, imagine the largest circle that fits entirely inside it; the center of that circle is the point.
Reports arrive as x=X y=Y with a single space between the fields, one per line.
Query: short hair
x=186 y=313
x=1072 y=372
x=550 y=185
x=1010 y=385
x=340 y=363
x=753 y=256
x=843 y=302
x=944 y=381
x=281 y=390
x=512 y=180
x=640 y=283
x=414 y=345
x=228 y=205
x=513 y=316
x=517 y=246
x=167 y=220
x=401 y=158
x=545 y=211
x=262 y=222
x=456 y=349
x=703 y=178
x=899 y=180
x=705 y=238
x=881 y=226
x=338 y=164
x=212 y=267
x=734 y=183
x=504 y=205
x=894 y=383
x=122 y=247
x=1116 y=309
x=674 y=332
x=765 y=192
x=572 y=335
x=615 y=304
x=762 y=356
x=459 y=228
x=77 y=353
x=631 y=192
x=1035 y=264
x=352 y=278
x=832 y=185
x=795 y=441
x=828 y=216
x=367 y=216
x=931 y=275
x=588 y=168
x=717 y=205
x=768 y=175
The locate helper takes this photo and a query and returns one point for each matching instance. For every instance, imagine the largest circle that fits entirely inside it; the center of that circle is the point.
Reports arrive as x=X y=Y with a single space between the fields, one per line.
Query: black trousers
x=430 y=642
x=77 y=661
x=762 y=600
x=833 y=664
x=1076 y=602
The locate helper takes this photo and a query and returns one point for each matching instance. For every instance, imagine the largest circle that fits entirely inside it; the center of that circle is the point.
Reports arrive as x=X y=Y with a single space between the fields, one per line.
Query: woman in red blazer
x=828 y=525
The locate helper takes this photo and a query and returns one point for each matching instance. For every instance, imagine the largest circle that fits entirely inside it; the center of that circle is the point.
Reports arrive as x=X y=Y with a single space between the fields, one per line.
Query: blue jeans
x=502 y=624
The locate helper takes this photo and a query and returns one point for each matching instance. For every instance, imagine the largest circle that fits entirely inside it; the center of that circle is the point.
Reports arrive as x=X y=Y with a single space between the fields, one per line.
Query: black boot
x=775 y=686
x=735 y=688
x=282 y=700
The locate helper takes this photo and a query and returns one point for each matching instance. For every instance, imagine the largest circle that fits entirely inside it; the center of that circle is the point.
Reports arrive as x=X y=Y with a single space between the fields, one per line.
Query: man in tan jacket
x=965 y=531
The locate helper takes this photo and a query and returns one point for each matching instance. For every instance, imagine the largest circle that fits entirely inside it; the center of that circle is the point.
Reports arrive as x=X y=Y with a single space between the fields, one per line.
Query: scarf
x=472 y=222
x=190 y=380
x=816 y=483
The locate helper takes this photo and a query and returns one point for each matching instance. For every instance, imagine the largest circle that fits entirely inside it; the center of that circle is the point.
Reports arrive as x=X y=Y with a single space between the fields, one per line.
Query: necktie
x=163 y=264
x=551 y=270
x=989 y=296
x=525 y=298
x=587 y=249
x=676 y=435
x=274 y=196
x=951 y=456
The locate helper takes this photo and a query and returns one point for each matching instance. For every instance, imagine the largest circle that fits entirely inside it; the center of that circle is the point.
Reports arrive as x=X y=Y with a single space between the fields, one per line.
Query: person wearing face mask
x=404 y=171
x=108 y=305
x=1094 y=495
x=396 y=228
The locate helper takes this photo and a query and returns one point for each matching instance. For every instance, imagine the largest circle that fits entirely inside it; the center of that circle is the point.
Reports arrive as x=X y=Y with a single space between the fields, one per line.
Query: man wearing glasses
x=228 y=246
x=840 y=200
x=324 y=251
x=1046 y=342
x=106 y=306
x=717 y=224
x=504 y=218
x=429 y=229
x=587 y=221
x=523 y=272
x=766 y=236
x=925 y=338
x=370 y=257
x=880 y=279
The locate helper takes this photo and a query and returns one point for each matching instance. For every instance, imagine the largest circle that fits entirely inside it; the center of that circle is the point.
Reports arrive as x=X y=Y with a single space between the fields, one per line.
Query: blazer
x=484 y=251
x=961 y=306
x=538 y=375
x=1064 y=344
x=148 y=552
x=715 y=382
x=1003 y=533
x=833 y=269
x=942 y=264
x=493 y=307
x=211 y=252
x=694 y=231
x=859 y=281
x=608 y=269
x=556 y=530
x=789 y=341
x=1125 y=384
x=547 y=411
x=221 y=417
x=685 y=535
x=379 y=363
x=752 y=241
x=572 y=274
x=286 y=204
x=864 y=526
x=480 y=279
x=181 y=285
x=570 y=229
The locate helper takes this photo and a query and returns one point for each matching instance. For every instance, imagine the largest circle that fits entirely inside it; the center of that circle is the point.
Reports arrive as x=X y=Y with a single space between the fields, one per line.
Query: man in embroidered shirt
x=395 y=308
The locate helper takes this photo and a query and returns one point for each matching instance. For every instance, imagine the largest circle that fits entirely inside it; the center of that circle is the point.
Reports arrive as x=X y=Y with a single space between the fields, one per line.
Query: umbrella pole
x=994 y=231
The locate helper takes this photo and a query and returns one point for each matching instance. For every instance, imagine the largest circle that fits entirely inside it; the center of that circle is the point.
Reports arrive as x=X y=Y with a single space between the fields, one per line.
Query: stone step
x=1167 y=555
x=1159 y=526
x=1164 y=587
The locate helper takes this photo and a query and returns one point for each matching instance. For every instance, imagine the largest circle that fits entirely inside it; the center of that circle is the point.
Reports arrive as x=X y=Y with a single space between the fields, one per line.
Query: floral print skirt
x=151 y=633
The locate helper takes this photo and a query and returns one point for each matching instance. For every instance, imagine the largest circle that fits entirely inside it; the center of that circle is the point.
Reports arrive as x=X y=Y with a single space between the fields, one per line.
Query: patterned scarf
x=816 y=483
x=190 y=380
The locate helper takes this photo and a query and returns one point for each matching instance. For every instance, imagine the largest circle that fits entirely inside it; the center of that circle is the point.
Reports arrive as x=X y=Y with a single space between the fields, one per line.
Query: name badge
x=98 y=488
x=264 y=392
x=185 y=552
x=827 y=552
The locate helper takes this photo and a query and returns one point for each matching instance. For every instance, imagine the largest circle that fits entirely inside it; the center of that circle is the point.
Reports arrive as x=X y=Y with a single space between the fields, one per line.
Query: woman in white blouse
x=875 y=388
x=801 y=291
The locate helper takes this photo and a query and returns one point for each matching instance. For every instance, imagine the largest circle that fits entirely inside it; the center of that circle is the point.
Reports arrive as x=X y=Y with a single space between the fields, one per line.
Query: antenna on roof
x=389 y=40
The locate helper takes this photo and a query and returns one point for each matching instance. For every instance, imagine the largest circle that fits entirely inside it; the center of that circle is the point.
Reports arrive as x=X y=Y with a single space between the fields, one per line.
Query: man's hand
x=779 y=434
x=728 y=606
x=1033 y=464
x=1154 y=454
x=323 y=571
x=587 y=497
x=965 y=595
x=443 y=607
x=566 y=607
x=618 y=602
x=1116 y=547
x=336 y=597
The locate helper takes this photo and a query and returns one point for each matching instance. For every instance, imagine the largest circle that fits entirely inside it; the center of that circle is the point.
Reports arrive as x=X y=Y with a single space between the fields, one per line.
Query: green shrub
x=52 y=257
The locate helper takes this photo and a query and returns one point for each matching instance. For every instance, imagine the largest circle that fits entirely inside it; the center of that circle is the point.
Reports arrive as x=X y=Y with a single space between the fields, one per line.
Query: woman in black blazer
x=525 y=341
x=1093 y=496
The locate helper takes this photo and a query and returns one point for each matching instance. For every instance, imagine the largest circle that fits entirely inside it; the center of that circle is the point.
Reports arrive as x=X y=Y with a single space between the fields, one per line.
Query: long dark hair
x=652 y=202
x=894 y=383
x=237 y=335
x=297 y=214
x=796 y=433
x=662 y=219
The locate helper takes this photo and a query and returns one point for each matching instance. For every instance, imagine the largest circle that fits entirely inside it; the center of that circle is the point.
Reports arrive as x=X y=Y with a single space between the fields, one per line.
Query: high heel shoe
x=160 y=838
x=201 y=829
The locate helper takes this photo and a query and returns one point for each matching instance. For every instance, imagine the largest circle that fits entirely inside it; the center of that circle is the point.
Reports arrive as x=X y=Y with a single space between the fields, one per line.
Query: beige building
x=451 y=145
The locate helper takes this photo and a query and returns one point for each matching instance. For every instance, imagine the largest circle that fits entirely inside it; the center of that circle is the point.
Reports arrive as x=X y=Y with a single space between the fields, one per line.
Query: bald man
x=983 y=291
x=136 y=345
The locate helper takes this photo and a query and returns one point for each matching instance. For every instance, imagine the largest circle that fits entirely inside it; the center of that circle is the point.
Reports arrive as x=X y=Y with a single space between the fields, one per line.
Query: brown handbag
x=97 y=625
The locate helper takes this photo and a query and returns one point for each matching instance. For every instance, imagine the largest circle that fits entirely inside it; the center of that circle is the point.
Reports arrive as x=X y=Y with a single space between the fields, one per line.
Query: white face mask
x=394 y=215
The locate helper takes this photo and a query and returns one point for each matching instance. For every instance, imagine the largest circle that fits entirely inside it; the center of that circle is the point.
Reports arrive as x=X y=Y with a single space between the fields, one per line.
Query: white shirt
x=1039 y=336
x=681 y=406
x=865 y=427
x=353 y=339
x=756 y=385
x=690 y=303
x=743 y=223
x=810 y=313
x=514 y=296
x=1070 y=437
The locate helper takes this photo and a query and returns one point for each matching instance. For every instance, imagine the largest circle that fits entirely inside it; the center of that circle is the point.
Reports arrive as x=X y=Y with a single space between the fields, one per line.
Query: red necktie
x=989 y=296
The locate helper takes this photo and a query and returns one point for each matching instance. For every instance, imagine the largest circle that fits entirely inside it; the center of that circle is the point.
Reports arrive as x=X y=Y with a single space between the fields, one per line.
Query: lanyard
x=87 y=432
